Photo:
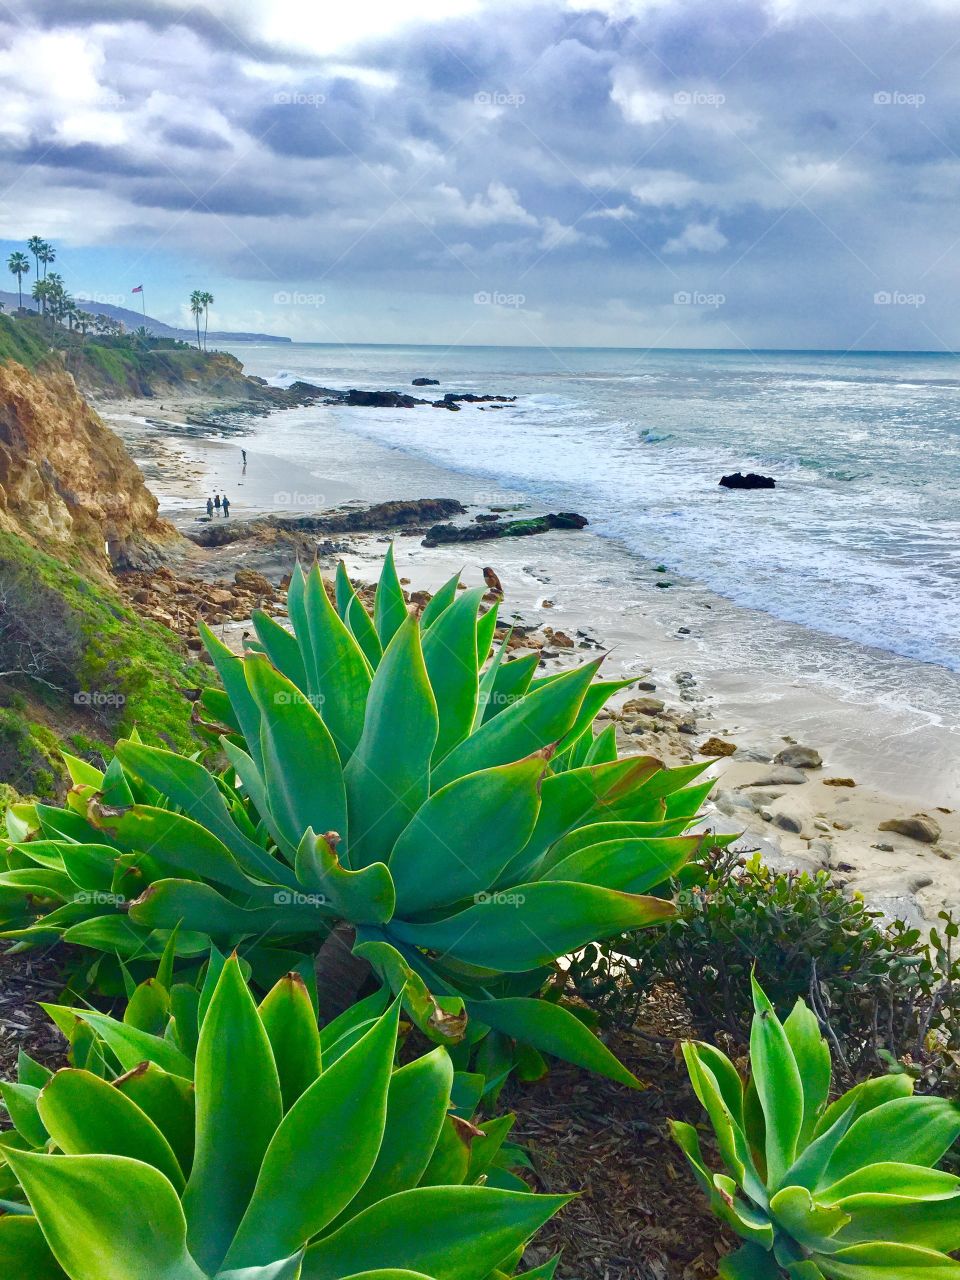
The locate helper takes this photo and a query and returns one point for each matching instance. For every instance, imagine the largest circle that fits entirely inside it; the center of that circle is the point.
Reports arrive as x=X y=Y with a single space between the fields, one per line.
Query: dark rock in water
x=446 y=404
x=485 y=517
x=381 y=399
x=749 y=481
x=382 y=515
x=469 y=398
x=425 y=382
x=441 y=533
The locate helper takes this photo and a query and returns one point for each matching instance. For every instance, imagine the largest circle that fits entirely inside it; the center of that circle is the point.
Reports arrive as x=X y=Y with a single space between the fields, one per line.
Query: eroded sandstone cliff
x=67 y=484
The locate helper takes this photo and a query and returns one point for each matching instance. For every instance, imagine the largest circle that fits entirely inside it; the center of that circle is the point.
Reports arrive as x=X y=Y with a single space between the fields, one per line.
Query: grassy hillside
x=97 y=668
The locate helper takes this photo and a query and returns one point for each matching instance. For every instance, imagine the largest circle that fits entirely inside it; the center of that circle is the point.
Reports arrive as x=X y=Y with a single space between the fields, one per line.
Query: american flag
x=138 y=289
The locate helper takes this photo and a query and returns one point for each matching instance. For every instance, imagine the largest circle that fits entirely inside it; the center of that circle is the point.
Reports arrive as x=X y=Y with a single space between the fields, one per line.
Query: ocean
x=860 y=540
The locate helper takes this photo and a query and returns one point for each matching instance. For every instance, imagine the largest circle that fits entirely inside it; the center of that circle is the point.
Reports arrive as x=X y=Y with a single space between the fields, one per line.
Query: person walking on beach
x=209 y=508
x=216 y=502
x=226 y=506
x=243 y=454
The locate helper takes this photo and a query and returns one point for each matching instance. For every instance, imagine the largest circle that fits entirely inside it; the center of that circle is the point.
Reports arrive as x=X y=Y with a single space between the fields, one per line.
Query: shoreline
x=586 y=587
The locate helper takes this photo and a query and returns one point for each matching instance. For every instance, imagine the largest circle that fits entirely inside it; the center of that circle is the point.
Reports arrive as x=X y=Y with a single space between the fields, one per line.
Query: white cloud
x=697 y=237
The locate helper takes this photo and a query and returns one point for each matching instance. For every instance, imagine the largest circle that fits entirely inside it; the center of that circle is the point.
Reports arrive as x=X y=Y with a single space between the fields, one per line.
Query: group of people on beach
x=218 y=503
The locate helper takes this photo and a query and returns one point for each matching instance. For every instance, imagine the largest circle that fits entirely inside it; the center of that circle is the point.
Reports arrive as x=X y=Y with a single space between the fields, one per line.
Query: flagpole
x=143 y=300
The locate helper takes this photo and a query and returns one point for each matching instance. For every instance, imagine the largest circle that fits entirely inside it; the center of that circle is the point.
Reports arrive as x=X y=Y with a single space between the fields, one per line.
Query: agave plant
x=818 y=1190
x=262 y=1157
x=394 y=800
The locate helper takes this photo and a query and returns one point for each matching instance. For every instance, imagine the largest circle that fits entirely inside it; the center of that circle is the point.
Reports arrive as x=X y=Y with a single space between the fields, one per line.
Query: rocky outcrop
x=749 y=481
x=442 y=533
x=425 y=382
x=406 y=514
x=67 y=484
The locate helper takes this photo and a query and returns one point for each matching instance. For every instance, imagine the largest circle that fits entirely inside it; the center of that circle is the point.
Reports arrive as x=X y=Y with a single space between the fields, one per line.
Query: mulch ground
x=26 y=979
x=639 y=1215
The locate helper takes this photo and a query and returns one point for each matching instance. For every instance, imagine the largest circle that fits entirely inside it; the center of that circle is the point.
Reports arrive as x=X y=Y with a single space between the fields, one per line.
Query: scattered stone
x=425 y=382
x=749 y=481
x=664 y=585
x=751 y=755
x=250 y=580
x=787 y=822
x=782 y=775
x=821 y=849
x=717 y=747
x=839 y=782
x=799 y=757
x=917 y=827
x=683 y=631
x=643 y=707
x=687 y=727
x=821 y=825
x=884 y=848
x=440 y=534
x=841 y=824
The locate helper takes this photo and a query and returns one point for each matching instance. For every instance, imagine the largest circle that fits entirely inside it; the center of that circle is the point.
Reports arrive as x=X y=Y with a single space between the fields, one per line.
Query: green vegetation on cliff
x=75 y=656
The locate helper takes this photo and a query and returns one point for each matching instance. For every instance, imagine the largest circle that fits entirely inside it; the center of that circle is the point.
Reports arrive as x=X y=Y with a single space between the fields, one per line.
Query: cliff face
x=67 y=484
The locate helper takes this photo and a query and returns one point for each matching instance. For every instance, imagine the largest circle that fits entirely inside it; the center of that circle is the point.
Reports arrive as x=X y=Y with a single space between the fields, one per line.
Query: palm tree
x=197 y=305
x=40 y=293
x=56 y=295
x=19 y=265
x=84 y=321
x=206 y=299
x=36 y=244
x=46 y=255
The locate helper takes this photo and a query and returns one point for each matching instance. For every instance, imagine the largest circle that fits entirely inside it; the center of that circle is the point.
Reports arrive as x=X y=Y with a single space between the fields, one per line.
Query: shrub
x=844 y=1190
x=266 y=1154
x=883 y=994
x=460 y=828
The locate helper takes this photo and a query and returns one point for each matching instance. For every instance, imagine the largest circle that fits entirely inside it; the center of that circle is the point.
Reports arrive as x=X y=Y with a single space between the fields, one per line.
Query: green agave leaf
x=169 y=1102
x=288 y=1269
x=291 y=1026
x=552 y=1029
x=389 y=606
x=351 y=609
x=339 y=674
x=238 y=1110
x=200 y=907
x=302 y=775
x=457 y=843
x=916 y=1130
x=931 y=1224
x=130 y=1045
x=85 y=1115
x=810 y=1223
x=331 y=1137
x=417 y=1103
x=148 y=1007
x=230 y=669
x=510 y=681
x=25 y=1252
x=864 y=1097
x=746 y=1220
x=536 y=721
x=440 y=1018
x=533 y=924
x=634 y=866
x=281 y=648
x=471 y=1229
x=20 y=1101
x=364 y=1011
x=442 y=600
x=363 y=897
x=749 y=1263
x=486 y=630
x=893 y=1178
x=195 y=790
x=887 y=1261
x=779 y=1086
x=450 y=657
x=450 y=1161
x=813 y=1062
x=388 y=777
x=92 y=1212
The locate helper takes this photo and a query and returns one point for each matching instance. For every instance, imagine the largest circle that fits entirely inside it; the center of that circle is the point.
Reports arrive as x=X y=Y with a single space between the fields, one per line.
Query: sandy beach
x=878 y=763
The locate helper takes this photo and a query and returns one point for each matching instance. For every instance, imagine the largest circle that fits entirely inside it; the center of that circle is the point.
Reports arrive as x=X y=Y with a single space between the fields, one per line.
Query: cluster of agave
x=243 y=1143
x=393 y=774
x=821 y=1190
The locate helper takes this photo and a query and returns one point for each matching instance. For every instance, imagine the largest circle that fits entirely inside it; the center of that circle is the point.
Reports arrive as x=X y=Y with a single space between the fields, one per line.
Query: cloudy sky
x=770 y=173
